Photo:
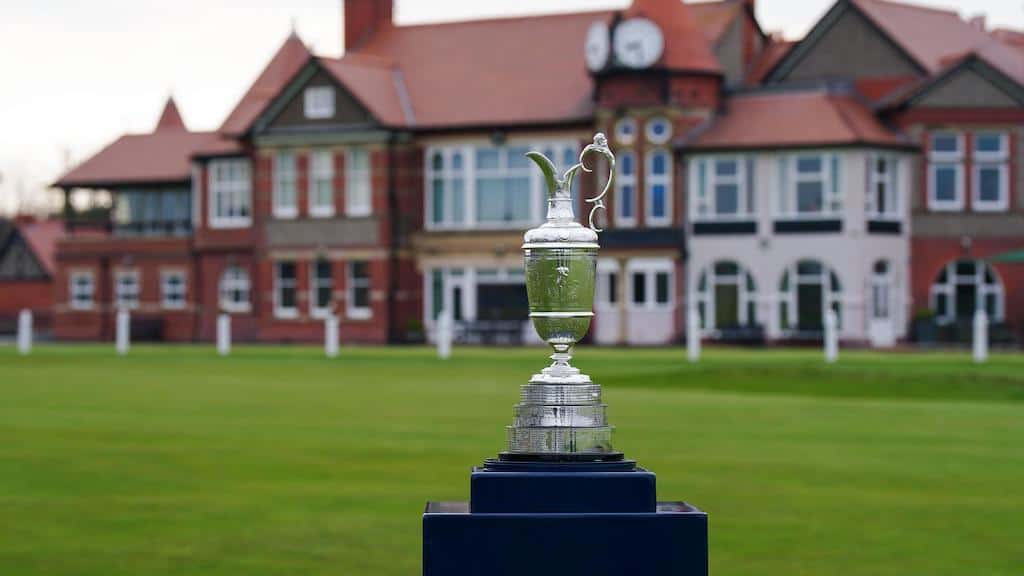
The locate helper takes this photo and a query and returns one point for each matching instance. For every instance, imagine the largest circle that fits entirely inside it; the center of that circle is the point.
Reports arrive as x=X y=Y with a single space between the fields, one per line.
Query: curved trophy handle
x=599 y=146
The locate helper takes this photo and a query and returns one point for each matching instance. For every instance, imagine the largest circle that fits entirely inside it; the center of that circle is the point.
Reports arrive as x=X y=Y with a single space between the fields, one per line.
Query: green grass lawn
x=279 y=461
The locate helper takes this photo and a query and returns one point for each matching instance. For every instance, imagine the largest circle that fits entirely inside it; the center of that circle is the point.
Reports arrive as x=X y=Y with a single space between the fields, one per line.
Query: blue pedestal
x=563 y=520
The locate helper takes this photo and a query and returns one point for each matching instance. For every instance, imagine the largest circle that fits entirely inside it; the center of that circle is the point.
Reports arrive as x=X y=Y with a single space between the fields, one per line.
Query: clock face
x=638 y=43
x=598 y=46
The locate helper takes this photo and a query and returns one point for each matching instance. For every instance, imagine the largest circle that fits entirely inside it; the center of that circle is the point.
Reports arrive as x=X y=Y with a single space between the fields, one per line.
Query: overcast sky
x=76 y=74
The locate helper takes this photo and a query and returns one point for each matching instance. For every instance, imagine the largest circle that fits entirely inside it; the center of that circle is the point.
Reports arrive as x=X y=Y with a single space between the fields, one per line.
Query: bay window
x=358 y=191
x=284 y=195
x=946 y=171
x=230 y=184
x=990 y=172
x=321 y=195
x=488 y=187
x=658 y=183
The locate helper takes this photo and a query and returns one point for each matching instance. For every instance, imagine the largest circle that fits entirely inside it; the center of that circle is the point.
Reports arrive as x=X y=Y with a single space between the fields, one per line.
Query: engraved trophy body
x=560 y=416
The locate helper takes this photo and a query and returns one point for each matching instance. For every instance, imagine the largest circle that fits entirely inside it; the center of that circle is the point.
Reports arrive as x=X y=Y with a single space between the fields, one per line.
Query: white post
x=980 y=336
x=24 y=332
x=331 y=335
x=692 y=334
x=123 y=331
x=831 y=336
x=444 y=335
x=223 y=334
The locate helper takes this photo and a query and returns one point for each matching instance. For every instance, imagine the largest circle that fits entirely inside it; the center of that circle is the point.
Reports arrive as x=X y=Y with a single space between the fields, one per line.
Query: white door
x=881 y=328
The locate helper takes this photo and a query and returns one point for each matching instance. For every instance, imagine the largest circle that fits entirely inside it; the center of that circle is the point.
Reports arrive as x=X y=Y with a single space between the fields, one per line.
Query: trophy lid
x=561 y=230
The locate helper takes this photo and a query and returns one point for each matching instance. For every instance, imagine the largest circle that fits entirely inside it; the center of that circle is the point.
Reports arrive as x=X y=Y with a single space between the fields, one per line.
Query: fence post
x=24 y=332
x=831 y=336
x=444 y=335
x=692 y=334
x=123 y=332
x=980 y=341
x=223 y=334
x=331 y=335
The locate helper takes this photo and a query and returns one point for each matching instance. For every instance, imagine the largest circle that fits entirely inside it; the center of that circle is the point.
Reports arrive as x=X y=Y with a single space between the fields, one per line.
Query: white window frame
x=235 y=194
x=831 y=196
x=167 y=289
x=321 y=171
x=650 y=268
x=281 y=284
x=318 y=102
x=982 y=291
x=285 y=176
x=469 y=174
x=987 y=161
x=232 y=279
x=651 y=180
x=621 y=181
x=654 y=138
x=81 y=297
x=361 y=178
x=706 y=197
x=127 y=297
x=315 y=283
x=892 y=187
x=942 y=159
x=351 y=284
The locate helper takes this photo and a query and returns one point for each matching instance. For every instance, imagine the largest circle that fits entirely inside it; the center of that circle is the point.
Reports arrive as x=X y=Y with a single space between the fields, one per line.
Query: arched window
x=808 y=288
x=726 y=296
x=964 y=286
x=234 y=289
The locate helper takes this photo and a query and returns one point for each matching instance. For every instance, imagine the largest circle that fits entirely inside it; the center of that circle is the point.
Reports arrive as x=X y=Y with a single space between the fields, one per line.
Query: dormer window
x=318 y=102
x=659 y=130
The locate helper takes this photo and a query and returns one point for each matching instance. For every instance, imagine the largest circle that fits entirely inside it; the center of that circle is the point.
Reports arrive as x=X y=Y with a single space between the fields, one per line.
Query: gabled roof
x=161 y=156
x=714 y=18
x=788 y=119
x=773 y=52
x=1012 y=85
x=287 y=61
x=1012 y=38
x=377 y=84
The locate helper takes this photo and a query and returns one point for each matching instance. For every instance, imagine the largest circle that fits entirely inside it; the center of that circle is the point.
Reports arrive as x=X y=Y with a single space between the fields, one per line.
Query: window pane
x=626 y=202
x=626 y=164
x=613 y=287
x=808 y=267
x=458 y=200
x=286 y=270
x=661 y=287
x=438 y=201
x=517 y=157
x=518 y=199
x=727 y=199
x=658 y=201
x=486 y=159
x=989 y=184
x=639 y=287
x=809 y=197
x=726 y=269
x=988 y=142
x=438 y=161
x=945 y=142
x=808 y=164
x=945 y=183
x=658 y=163
x=436 y=293
x=725 y=168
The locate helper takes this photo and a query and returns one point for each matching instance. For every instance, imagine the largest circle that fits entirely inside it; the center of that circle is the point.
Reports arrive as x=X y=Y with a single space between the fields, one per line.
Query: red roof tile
x=377 y=83
x=772 y=53
x=1012 y=38
x=42 y=237
x=139 y=159
x=170 y=118
x=290 y=57
x=713 y=18
x=483 y=72
x=793 y=119
x=686 y=46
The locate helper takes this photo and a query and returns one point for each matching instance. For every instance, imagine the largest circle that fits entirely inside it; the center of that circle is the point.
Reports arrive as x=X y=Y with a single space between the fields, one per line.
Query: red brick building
x=28 y=248
x=389 y=184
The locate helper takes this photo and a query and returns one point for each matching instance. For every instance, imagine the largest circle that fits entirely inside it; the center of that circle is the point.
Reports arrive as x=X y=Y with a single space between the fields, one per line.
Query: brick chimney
x=364 y=18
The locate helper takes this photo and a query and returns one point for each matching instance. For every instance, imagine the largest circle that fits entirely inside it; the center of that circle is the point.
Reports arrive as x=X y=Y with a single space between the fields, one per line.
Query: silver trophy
x=560 y=415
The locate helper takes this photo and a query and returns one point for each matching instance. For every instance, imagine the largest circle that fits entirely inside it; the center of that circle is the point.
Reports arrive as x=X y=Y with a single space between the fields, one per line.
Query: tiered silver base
x=555 y=418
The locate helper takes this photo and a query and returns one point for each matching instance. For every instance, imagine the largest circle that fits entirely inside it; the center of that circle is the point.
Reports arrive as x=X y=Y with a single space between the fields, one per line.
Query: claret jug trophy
x=560 y=500
x=560 y=416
